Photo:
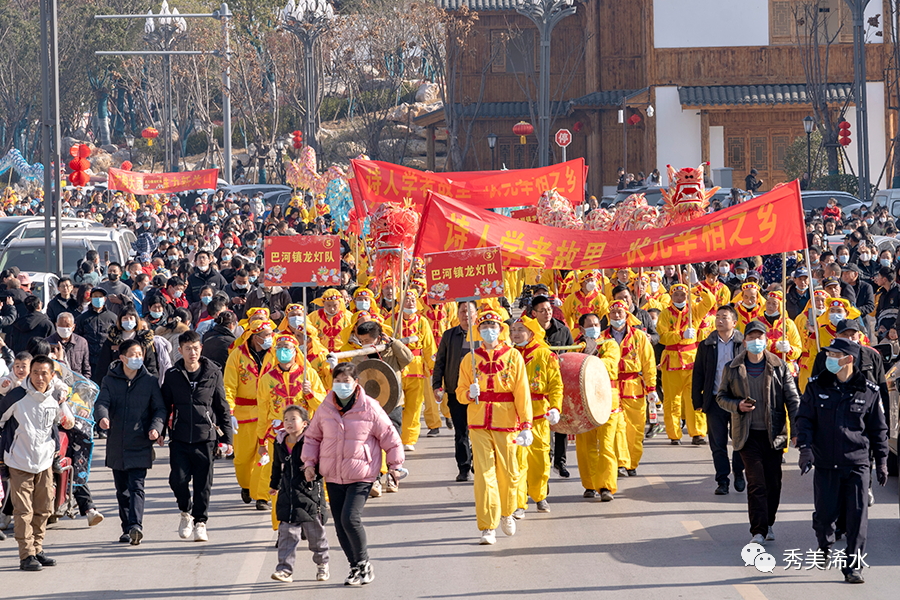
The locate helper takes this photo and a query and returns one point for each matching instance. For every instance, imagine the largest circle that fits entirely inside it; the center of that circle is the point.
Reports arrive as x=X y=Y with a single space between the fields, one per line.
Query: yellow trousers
x=677 y=404
x=635 y=416
x=261 y=477
x=621 y=443
x=414 y=399
x=596 y=455
x=534 y=465
x=496 y=475
x=249 y=474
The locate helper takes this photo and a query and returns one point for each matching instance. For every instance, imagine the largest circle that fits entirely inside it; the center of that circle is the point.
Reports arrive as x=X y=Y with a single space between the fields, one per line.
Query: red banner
x=464 y=275
x=386 y=182
x=767 y=224
x=156 y=183
x=302 y=260
x=529 y=215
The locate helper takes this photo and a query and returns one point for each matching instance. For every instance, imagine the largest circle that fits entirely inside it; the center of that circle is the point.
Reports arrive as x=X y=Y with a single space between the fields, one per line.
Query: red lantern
x=523 y=129
x=577 y=126
x=79 y=164
x=298 y=139
x=634 y=119
x=150 y=134
x=844 y=133
x=126 y=166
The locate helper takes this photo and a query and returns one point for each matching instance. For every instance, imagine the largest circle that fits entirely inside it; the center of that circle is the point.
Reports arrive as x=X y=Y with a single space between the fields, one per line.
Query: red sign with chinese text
x=563 y=138
x=529 y=215
x=302 y=260
x=767 y=224
x=156 y=183
x=464 y=275
x=386 y=182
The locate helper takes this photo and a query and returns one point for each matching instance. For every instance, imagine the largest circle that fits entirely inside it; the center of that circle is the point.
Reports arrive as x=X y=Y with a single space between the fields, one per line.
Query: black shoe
x=632 y=472
x=449 y=423
x=698 y=440
x=740 y=484
x=623 y=472
x=30 y=564
x=563 y=471
x=675 y=442
x=262 y=505
x=590 y=494
x=654 y=429
x=722 y=490
x=463 y=475
x=854 y=576
x=606 y=495
x=2 y=536
x=135 y=536
x=102 y=434
x=245 y=496
x=433 y=432
x=124 y=538
x=45 y=560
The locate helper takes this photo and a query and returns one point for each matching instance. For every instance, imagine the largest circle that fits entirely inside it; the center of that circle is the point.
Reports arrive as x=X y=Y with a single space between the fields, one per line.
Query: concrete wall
x=710 y=23
x=677 y=132
x=877 y=135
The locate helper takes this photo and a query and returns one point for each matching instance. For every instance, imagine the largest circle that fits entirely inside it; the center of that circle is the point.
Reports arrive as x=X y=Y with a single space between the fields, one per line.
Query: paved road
x=665 y=536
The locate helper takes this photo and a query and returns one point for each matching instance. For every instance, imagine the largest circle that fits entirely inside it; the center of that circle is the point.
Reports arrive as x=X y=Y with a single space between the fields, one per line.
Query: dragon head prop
x=686 y=197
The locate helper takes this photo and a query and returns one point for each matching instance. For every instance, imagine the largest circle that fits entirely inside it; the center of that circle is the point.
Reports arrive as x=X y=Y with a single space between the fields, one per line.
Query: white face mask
x=590 y=286
x=64 y=332
x=654 y=286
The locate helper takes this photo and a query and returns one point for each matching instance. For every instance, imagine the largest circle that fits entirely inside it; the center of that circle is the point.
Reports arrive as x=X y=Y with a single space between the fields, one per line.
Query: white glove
x=552 y=416
x=783 y=346
x=234 y=424
x=653 y=398
x=690 y=333
x=331 y=360
x=474 y=390
x=524 y=438
x=557 y=302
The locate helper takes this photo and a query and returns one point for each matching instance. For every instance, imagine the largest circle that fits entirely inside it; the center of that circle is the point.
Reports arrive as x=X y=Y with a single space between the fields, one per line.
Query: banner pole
x=812 y=301
x=783 y=296
x=305 y=334
x=472 y=345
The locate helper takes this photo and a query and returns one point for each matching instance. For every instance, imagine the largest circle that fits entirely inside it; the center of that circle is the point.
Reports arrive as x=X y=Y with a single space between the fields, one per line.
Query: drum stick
x=370 y=349
x=566 y=348
x=305 y=365
x=472 y=339
x=812 y=300
x=689 y=307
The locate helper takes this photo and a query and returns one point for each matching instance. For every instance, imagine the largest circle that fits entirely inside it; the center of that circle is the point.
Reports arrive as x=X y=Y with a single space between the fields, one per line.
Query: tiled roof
x=507 y=109
x=742 y=95
x=605 y=98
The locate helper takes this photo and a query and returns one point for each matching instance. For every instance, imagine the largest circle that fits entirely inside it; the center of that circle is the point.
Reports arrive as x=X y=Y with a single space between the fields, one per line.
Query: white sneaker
x=409 y=448
x=375 y=492
x=200 y=533
x=770 y=535
x=5 y=521
x=519 y=513
x=508 y=525
x=93 y=517
x=758 y=539
x=186 y=526
x=322 y=573
x=282 y=576
x=390 y=484
x=488 y=537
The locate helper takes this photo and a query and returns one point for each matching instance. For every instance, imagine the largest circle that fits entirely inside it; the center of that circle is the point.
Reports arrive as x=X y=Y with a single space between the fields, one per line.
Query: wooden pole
x=472 y=340
x=370 y=349
x=812 y=301
x=783 y=296
x=305 y=334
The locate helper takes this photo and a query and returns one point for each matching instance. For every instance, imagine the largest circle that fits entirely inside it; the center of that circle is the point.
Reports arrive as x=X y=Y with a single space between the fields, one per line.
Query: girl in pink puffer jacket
x=344 y=440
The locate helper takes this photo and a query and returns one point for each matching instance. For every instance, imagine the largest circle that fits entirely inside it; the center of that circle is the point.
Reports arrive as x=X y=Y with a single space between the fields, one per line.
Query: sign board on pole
x=302 y=260
x=461 y=275
x=563 y=138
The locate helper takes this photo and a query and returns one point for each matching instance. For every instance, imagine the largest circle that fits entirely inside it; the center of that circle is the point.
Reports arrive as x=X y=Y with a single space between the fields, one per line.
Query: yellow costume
x=579 y=303
x=545 y=382
x=417 y=378
x=636 y=379
x=503 y=409
x=242 y=375
x=658 y=299
x=330 y=326
x=678 y=361
x=808 y=340
x=783 y=327
x=745 y=315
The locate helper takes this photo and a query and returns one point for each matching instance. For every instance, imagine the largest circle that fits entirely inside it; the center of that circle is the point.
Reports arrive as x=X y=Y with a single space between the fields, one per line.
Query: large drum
x=587 y=393
x=380 y=382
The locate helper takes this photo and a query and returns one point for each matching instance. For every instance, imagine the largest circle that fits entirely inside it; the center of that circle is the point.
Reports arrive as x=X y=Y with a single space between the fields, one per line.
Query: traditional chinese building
x=724 y=78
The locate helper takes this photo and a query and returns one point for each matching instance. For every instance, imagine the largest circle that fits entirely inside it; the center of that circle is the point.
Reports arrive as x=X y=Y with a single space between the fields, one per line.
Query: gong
x=380 y=382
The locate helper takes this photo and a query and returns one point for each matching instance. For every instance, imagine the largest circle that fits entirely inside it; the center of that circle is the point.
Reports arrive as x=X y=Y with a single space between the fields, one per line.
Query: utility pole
x=857 y=13
x=50 y=135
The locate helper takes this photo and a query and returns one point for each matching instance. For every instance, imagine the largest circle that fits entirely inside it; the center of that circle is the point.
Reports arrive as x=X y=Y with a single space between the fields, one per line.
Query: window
x=784 y=16
x=515 y=51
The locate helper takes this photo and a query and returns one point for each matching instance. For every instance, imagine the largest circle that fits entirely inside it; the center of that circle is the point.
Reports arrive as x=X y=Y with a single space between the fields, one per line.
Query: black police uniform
x=840 y=422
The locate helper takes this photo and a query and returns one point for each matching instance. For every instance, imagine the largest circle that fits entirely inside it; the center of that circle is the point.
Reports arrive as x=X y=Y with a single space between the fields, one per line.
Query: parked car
x=33 y=228
x=29 y=255
x=106 y=239
x=817 y=200
x=44 y=286
x=882 y=241
x=252 y=188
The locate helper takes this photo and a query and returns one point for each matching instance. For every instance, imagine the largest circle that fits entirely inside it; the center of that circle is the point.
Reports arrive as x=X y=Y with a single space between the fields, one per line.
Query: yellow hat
x=678 y=286
x=535 y=328
x=488 y=316
x=287 y=338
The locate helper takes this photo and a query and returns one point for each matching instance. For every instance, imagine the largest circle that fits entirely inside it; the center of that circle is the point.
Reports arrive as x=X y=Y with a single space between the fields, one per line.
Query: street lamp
x=808 y=125
x=308 y=19
x=492 y=143
x=129 y=141
x=163 y=33
x=545 y=14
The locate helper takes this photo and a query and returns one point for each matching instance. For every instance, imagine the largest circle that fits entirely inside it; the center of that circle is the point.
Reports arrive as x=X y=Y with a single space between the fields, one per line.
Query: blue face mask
x=296 y=322
x=756 y=346
x=134 y=363
x=253 y=278
x=342 y=390
x=885 y=262
x=98 y=301
x=284 y=355
x=843 y=258
x=128 y=325
x=267 y=343
x=205 y=299
x=156 y=314
x=489 y=335
x=592 y=332
x=741 y=276
x=832 y=364
x=617 y=324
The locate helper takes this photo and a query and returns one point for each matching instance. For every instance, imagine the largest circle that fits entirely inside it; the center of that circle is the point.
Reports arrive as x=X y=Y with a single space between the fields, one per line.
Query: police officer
x=840 y=418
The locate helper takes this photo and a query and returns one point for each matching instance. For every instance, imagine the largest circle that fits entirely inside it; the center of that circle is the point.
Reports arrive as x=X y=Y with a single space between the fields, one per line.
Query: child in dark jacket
x=300 y=505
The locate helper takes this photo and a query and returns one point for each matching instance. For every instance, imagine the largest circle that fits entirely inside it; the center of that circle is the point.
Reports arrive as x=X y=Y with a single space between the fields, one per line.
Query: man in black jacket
x=62 y=302
x=713 y=354
x=204 y=274
x=194 y=395
x=445 y=375
x=865 y=297
x=33 y=323
x=840 y=420
x=556 y=334
x=798 y=293
x=758 y=390
x=93 y=325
